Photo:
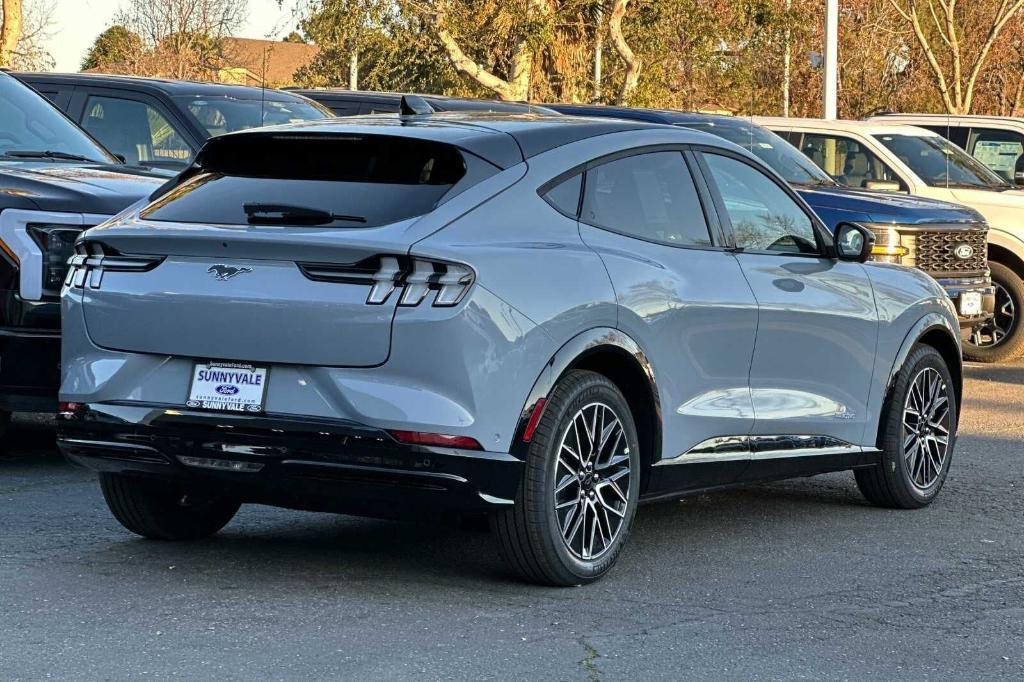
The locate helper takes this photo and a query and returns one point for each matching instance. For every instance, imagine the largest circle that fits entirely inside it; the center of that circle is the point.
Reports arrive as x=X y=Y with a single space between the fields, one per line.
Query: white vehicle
x=901 y=158
x=996 y=141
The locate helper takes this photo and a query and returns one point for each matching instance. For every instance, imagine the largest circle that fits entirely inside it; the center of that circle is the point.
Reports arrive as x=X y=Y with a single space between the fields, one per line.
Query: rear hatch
x=285 y=248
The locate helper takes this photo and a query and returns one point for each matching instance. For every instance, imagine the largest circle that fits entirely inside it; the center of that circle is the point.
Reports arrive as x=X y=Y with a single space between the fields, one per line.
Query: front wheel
x=164 y=511
x=1002 y=338
x=917 y=435
x=580 y=487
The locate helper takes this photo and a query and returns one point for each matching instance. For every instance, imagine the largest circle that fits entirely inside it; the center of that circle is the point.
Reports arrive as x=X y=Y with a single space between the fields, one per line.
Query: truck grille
x=934 y=250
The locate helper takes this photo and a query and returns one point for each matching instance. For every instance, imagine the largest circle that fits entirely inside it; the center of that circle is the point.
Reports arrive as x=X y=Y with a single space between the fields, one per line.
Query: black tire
x=530 y=533
x=1011 y=346
x=162 y=511
x=892 y=483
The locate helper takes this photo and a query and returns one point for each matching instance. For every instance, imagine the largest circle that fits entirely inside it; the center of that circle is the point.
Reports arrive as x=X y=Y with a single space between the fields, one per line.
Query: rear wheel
x=162 y=511
x=1002 y=338
x=917 y=435
x=580 y=487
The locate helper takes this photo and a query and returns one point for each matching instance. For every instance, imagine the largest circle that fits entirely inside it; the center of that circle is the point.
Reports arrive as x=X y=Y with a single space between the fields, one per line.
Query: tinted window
x=850 y=162
x=219 y=115
x=939 y=162
x=30 y=123
x=763 y=216
x=566 y=195
x=317 y=182
x=956 y=134
x=1000 y=150
x=650 y=196
x=136 y=131
x=777 y=154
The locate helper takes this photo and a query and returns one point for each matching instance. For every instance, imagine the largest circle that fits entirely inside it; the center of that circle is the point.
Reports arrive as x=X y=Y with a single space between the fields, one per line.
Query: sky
x=76 y=23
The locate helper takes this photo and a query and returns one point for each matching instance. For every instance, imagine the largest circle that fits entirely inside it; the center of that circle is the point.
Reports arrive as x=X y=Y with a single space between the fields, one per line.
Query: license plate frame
x=970 y=303
x=216 y=379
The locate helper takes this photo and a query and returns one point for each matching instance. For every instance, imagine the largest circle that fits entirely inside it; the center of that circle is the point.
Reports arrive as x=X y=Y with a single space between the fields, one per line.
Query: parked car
x=54 y=182
x=938 y=227
x=161 y=123
x=913 y=160
x=547 y=320
x=361 y=102
x=996 y=141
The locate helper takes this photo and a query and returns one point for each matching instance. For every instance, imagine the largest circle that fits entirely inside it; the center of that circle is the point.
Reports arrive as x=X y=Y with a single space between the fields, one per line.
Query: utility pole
x=598 y=53
x=831 y=75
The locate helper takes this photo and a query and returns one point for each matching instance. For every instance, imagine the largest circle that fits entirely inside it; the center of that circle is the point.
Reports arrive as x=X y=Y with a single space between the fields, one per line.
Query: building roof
x=271 y=62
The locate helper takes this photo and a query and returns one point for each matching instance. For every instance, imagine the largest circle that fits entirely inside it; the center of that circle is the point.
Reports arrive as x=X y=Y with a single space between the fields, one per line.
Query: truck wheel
x=162 y=511
x=1003 y=338
x=580 y=486
x=917 y=436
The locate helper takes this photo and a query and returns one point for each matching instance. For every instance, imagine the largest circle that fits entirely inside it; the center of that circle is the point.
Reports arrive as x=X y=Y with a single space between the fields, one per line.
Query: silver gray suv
x=548 y=320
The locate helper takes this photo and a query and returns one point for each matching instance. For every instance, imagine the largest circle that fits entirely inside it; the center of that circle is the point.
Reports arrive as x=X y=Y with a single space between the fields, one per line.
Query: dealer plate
x=970 y=303
x=228 y=386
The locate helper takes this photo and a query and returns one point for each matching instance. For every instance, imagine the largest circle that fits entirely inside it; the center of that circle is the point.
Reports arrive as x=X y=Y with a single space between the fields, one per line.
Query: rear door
x=817 y=323
x=682 y=296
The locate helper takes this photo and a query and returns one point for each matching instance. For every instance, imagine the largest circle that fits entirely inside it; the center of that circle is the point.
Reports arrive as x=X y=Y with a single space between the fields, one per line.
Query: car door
x=817 y=323
x=682 y=297
x=135 y=127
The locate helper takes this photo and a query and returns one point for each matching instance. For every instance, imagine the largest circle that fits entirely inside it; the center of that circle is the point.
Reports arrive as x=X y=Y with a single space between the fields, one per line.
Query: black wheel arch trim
x=570 y=355
x=929 y=324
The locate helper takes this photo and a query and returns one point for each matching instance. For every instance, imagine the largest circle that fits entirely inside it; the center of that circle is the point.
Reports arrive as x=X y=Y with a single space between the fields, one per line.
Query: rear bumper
x=318 y=465
x=29 y=370
x=956 y=290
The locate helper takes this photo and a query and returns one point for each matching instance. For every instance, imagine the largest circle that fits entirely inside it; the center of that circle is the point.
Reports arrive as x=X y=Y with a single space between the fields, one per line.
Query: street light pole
x=831 y=79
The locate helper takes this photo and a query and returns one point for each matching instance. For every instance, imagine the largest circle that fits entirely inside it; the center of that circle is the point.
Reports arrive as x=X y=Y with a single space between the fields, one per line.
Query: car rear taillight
x=91 y=259
x=437 y=439
x=411 y=279
x=57 y=242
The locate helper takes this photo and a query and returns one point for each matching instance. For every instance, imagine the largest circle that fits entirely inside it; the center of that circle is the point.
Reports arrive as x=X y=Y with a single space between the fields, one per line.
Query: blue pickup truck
x=937 y=226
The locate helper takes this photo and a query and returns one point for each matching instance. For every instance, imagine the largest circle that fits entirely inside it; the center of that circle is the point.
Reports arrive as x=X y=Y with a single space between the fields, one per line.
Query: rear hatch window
x=315 y=180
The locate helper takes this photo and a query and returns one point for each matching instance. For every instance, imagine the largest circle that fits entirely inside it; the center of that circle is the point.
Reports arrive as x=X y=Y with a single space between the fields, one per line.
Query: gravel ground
x=797 y=580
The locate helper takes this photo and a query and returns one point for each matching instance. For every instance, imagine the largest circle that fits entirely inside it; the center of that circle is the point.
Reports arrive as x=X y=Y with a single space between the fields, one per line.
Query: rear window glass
x=339 y=181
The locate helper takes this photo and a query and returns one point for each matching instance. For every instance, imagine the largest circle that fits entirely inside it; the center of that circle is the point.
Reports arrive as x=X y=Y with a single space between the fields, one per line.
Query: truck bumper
x=29 y=369
x=975 y=300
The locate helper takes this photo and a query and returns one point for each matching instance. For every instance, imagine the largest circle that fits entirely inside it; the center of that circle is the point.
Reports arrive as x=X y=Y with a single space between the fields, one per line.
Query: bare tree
x=181 y=36
x=516 y=86
x=10 y=30
x=617 y=11
x=940 y=31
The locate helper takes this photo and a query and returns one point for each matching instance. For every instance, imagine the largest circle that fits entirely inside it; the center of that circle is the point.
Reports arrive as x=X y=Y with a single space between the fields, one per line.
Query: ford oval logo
x=227 y=389
x=963 y=251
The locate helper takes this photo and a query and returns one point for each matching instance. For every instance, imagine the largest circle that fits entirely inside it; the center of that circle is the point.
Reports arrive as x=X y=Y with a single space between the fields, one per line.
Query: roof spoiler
x=412 y=105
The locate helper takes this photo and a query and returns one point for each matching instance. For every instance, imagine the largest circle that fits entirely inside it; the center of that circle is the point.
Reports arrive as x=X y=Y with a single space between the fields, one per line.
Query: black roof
x=502 y=139
x=438 y=102
x=167 y=86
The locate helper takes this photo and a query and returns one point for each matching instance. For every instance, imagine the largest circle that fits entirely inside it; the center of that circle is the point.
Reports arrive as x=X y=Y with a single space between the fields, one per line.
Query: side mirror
x=883 y=185
x=853 y=242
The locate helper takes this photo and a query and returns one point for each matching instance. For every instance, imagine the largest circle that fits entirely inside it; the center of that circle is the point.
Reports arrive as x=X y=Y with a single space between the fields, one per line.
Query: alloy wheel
x=1001 y=325
x=927 y=423
x=592 y=473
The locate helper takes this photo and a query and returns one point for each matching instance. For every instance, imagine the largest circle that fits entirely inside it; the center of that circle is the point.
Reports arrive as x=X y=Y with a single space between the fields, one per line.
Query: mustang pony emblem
x=223 y=273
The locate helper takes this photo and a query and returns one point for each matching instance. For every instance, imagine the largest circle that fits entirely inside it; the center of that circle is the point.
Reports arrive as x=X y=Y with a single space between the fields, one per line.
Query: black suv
x=55 y=181
x=161 y=123
x=359 y=102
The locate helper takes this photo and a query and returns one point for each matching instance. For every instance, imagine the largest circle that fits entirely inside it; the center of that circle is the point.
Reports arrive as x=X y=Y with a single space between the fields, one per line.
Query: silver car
x=548 y=320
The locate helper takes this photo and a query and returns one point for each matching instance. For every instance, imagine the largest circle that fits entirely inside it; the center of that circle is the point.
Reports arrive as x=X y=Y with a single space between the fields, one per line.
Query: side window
x=848 y=161
x=565 y=196
x=136 y=131
x=763 y=216
x=955 y=134
x=650 y=196
x=1000 y=150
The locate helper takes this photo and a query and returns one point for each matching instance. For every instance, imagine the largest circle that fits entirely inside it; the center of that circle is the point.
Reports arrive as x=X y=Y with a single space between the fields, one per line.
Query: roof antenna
x=414 y=105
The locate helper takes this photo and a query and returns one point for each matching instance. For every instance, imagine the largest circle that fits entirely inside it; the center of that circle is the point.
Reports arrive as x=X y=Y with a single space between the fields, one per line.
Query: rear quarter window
x=337 y=181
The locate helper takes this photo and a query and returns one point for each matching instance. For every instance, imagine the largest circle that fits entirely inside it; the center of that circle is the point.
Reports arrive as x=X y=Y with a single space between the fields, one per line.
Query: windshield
x=219 y=115
x=29 y=123
x=779 y=155
x=940 y=163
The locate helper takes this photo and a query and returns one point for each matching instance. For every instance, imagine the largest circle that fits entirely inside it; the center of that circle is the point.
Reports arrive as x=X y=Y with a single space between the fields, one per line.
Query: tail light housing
x=91 y=259
x=413 y=280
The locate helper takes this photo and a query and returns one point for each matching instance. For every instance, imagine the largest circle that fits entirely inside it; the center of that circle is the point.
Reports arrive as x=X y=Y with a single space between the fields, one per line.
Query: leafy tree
x=116 y=46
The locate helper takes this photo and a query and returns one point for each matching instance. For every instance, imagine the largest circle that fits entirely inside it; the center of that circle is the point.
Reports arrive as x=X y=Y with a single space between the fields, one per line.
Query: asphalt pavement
x=796 y=580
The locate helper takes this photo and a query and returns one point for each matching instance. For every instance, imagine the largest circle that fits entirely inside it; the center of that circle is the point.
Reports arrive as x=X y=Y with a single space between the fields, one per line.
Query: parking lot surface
x=796 y=580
